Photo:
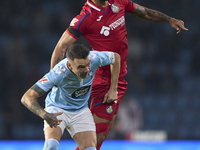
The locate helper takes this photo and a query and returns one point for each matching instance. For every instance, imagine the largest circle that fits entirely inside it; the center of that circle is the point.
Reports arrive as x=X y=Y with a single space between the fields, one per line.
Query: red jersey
x=104 y=28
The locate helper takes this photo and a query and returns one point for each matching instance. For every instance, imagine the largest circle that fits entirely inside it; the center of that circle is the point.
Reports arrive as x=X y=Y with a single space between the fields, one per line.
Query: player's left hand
x=51 y=119
x=178 y=25
x=110 y=96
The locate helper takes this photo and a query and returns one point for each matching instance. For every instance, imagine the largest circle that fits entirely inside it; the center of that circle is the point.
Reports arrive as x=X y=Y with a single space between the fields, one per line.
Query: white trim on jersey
x=93 y=6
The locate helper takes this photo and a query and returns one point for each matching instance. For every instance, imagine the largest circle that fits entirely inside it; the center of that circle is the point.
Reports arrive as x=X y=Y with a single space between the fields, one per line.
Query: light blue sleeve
x=103 y=58
x=52 y=78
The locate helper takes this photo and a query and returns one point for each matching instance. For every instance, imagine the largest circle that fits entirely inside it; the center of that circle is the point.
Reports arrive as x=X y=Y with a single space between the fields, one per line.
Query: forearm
x=115 y=69
x=150 y=14
x=59 y=52
x=29 y=100
x=157 y=16
x=58 y=55
x=32 y=104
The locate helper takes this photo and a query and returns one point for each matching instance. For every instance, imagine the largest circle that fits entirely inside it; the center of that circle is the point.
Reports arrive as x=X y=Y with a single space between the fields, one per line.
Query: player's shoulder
x=85 y=17
x=117 y=1
x=97 y=54
x=122 y=2
x=86 y=10
x=61 y=68
x=94 y=53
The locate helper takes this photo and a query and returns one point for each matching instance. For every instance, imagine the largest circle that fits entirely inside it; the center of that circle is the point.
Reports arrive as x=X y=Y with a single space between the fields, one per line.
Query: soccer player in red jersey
x=102 y=24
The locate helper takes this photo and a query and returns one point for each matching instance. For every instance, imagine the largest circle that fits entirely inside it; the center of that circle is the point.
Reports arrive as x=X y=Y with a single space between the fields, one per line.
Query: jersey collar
x=94 y=6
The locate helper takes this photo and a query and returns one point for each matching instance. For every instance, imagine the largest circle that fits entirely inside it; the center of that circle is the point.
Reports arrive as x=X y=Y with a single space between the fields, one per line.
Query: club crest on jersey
x=109 y=109
x=44 y=79
x=115 y=8
x=90 y=73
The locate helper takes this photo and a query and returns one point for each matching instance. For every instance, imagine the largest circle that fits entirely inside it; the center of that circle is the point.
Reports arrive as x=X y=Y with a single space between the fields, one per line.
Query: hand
x=51 y=119
x=110 y=96
x=178 y=25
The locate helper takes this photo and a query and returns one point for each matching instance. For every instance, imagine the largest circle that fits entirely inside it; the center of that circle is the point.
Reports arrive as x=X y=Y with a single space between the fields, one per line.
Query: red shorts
x=100 y=87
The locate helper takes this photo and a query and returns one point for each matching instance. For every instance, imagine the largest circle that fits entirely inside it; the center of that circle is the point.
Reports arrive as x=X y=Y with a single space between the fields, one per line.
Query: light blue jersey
x=69 y=91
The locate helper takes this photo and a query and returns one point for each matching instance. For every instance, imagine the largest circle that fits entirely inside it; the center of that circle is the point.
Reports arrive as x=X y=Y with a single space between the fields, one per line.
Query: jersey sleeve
x=45 y=82
x=129 y=6
x=53 y=78
x=78 y=25
x=103 y=58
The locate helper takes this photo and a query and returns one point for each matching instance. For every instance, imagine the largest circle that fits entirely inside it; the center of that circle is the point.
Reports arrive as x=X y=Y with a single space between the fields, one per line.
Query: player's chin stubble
x=83 y=75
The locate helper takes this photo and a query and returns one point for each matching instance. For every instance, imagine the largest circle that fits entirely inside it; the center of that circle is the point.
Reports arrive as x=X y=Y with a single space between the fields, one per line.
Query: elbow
x=23 y=99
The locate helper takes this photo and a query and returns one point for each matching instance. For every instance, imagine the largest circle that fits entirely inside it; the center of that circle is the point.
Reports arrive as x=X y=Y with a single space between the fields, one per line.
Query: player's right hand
x=110 y=96
x=51 y=119
x=178 y=25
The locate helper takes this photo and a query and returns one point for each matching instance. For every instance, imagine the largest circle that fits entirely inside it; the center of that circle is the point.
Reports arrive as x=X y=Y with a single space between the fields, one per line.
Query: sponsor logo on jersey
x=73 y=22
x=81 y=92
x=44 y=79
x=115 y=8
x=118 y=22
x=109 y=109
x=106 y=30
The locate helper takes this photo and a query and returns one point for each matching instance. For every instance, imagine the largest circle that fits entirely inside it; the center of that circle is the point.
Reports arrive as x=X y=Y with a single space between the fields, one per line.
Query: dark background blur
x=163 y=67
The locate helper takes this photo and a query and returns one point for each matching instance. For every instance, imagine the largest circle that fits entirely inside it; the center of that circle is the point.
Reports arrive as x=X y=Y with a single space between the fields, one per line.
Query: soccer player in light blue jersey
x=66 y=105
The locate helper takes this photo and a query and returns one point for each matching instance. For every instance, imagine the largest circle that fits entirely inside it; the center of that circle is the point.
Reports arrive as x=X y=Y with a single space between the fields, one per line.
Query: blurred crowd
x=163 y=67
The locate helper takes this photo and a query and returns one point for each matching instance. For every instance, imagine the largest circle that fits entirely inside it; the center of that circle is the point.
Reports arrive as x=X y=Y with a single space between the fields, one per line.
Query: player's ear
x=69 y=66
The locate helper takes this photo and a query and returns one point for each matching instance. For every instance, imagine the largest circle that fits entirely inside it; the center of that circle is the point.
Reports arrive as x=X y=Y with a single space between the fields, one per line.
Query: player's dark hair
x=77 y=51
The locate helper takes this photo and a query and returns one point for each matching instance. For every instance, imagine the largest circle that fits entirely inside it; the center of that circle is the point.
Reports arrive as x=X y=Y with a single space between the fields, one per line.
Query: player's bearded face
x=83 y=75
x=82 y=67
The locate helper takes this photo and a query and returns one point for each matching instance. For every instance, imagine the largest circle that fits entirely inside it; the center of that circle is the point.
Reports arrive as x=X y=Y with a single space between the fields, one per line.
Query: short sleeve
x=78 y=25
x=45 y=82
x=129 y=6
x=54 y=77
x=104 y=58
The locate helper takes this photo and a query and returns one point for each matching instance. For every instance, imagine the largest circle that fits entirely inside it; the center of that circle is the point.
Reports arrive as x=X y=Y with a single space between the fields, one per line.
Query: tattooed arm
x=156 y=16
x=58 y=54
x=29 y=100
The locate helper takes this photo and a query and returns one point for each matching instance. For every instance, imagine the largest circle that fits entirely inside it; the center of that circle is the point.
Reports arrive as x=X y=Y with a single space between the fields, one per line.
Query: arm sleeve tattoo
x=150 y=14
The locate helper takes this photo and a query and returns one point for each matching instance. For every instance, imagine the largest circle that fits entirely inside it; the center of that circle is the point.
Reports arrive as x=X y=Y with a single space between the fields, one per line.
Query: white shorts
x=74 y=122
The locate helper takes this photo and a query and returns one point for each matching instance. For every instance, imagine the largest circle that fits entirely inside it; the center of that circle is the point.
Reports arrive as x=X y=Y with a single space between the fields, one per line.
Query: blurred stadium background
x=163 y=98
